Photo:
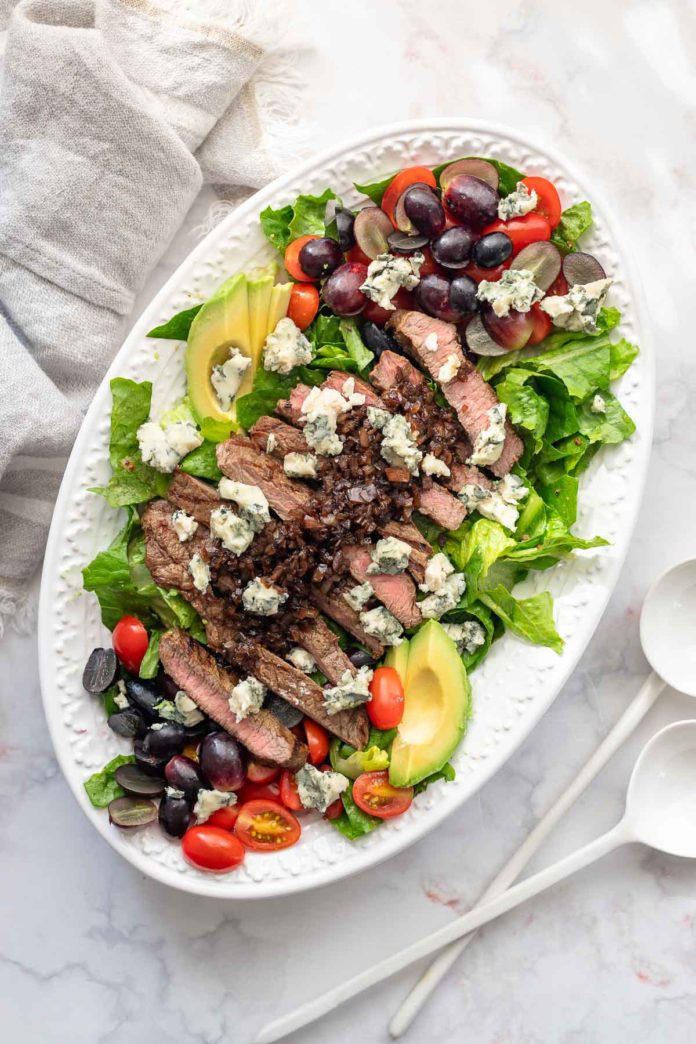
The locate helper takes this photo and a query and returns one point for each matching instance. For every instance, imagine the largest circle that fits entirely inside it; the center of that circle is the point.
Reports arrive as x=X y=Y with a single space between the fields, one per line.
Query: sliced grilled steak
x=209 y=686
x=397 y=593
x=336 y=608
x=168 y=559
x=468 y=474
x=241 y=460
x=194 y=496
x=287 y=438
x=439 y=505
x=469 y=395
x=421 y=549
x=291 y=409
x=337 y=379
x=320 y=641
x=351 y=726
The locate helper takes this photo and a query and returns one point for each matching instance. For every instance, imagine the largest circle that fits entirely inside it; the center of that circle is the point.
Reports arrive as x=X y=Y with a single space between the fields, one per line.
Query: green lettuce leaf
x=622 y=354
x=150 y=662
x=574 y=221
x=528 y=618
x=102 y=787
x=353 y=822
x=446 y=772
x=507 y=174
x=177 y=328
x=268 y=388
x=304 y=217
x=526 y=408
x=276 y=226
x=473 y=548
x=202 y=462
x=613 y=426
x=562 y=496
x=375 y=191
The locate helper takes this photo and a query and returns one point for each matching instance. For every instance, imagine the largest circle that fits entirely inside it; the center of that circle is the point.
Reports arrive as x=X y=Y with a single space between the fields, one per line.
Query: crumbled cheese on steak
x=381 y=624
x=300 y=465
x=247 y=697
x=251 y=501
x=432 y=465
x=234 y=532
x=449 y=369
x=183 y=525
x=351 y=691
x=399 y=445
x=377 y=416
x=320 y=412
x=200 y=571
x=389 y=555
x=262 y=599
x=500 y=503
x=488 y=444
x=358 y=596
x=303 y=660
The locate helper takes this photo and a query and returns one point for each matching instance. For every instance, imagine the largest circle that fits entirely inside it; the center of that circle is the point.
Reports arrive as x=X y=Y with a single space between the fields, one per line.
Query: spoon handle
x=314 y=1009
x=629 y=720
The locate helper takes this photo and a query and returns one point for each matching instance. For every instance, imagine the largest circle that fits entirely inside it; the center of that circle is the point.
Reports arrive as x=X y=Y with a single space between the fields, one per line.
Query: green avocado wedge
x=222 y=322
x=397 y=657
x=436 y=710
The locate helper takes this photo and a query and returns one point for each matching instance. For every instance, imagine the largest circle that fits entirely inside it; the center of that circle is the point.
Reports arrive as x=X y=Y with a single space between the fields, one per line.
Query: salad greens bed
x=548 y=391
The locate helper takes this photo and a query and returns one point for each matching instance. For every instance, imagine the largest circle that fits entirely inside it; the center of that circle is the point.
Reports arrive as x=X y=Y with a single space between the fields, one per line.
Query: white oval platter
x=517 y=682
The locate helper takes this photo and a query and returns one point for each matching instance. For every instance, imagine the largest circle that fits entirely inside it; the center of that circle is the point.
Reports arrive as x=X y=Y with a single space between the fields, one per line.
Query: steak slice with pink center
x=396 y=593
x=241 y=459
x=320 y=641
x=286 y=439
x=337 y=609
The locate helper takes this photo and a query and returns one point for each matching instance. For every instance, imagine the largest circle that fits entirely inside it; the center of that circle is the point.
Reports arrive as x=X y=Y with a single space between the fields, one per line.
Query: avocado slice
x=436 y=710
x=280 y=299
x=397 y=657
x=260 y=290
x=222 y=322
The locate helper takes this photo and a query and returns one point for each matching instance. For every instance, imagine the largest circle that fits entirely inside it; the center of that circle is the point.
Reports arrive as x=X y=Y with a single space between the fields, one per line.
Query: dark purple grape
x=345 y=219
x=135 y=781
x=377 y=339
x=580 y=268
x=511 y=331
x=371 y=229
x=285 y=712
x=360 y=658
x=479 y=341
x=320 y=257
x=183 y=774
x=462 y=295
x=453 y=248
x=221 y=761
x=130 y=812
x=146 y=760
x=425 y=210
x=471 y=201
x=341 y=291
x=100 y=670
x=143 y=695
x=492 y=250
x=166 y=739
x=402 y=243
x=127 y=723
x=432 y=294
x=167 y=686
x=174 y=815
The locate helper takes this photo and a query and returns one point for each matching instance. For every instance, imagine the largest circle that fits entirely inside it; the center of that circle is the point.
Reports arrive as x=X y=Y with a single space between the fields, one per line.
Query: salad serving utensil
x=667 y=638
x=660 y=808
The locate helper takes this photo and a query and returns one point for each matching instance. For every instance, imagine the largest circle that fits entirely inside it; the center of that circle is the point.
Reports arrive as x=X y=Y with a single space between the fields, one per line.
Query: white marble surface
x=92 y=953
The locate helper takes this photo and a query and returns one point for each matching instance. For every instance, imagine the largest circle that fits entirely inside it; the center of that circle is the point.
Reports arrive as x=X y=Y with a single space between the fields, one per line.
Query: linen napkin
x=112 y=115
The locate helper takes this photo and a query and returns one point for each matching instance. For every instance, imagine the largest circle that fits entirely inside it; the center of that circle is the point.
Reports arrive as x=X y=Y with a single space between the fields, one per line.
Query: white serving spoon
x=660 y=812
x=669 y=643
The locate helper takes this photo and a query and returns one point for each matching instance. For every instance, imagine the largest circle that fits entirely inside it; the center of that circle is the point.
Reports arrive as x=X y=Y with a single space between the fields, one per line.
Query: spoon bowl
x=667 y=630
x=661 y=799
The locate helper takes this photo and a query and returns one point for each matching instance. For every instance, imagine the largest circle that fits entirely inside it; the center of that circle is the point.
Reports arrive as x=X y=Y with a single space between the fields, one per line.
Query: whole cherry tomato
x=303 y=304
x=211 y=848
x=130 y=642
x=386 y=708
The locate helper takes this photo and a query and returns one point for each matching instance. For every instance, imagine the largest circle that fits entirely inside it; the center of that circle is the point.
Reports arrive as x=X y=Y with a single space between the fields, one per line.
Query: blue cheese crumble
x=181 y=710
x=227 y=377
x=500 y=503
x=377 y=416
x=317 y=789
x=467 y=636
x=303 y=660
x=432 y=465
x=358 y=596
x=234 y=532
x=209 y=801
x=449 y=369
x=247 y=697
x=286 y=348
x=436 y=572
x=261 y=598
x=488 y=444
x=351 y=691
x=163 y=448
x=300 y=465
x=320 y=412
x=399 y=445
x=448 y=597
x=387 y=274
x=517 y=203
x=598 y=404
x=389 y=555
x=578 y=309
x=183 y=525
x=381 y=624
x=515 y=289
x=200 y=572
x=251 y=501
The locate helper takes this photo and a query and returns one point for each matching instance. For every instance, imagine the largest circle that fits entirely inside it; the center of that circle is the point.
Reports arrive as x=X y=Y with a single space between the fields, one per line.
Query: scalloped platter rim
x=516 y=683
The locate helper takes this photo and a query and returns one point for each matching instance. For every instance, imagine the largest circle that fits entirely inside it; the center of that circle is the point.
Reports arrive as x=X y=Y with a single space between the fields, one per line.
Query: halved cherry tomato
x=292 y=259
x=356 y=254
x=430 y=265
x=376 y=314
x=549 y=202
x=210 y=848
x=130 y=642
x=317 y=741
x=522 y=231
x=491 y=274
x=258 y=792
x=374 y=794
x=400 y=182
x=258 y=773
x=288 y=791
x=266 y=826
x=303 y=304
x=542 y=326
x=386 y=708
x=559 y=287
x=225 y=818
x=336 y=807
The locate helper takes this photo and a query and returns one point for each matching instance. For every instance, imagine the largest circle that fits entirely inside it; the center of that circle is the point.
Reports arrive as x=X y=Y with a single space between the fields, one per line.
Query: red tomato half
x=374 y=794
x=542 y=325
x=258 y=773
x=376 y=314
x=522 y=230
x=288 y=791
x=292 y=259
x=303 y=305
x=430 y=265
x=400 y=182
x=491 y=274
x=559 y=287
x=317 y=741
x=386 y=708
x=549 y=202
x=355 y=254
x=266 y=826
x=225 y=818
x=130 y=642
x=258 y=792
x=210 y=848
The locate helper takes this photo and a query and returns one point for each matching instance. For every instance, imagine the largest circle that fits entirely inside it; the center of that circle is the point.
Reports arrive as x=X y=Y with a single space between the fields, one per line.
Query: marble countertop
x=91 y=952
